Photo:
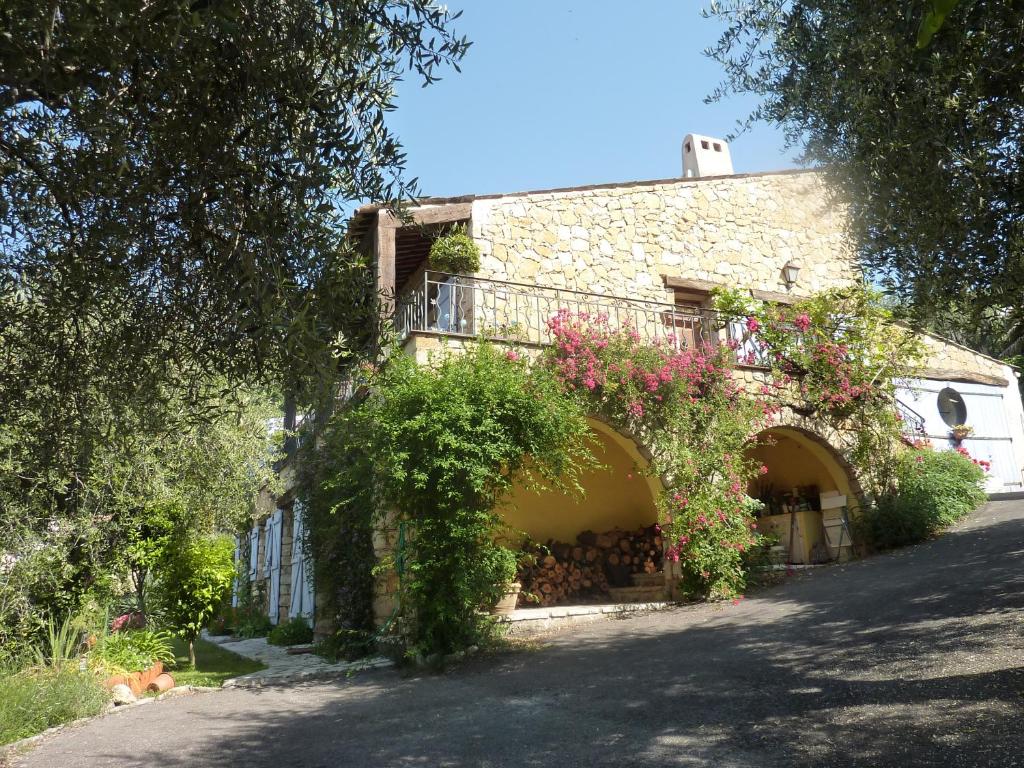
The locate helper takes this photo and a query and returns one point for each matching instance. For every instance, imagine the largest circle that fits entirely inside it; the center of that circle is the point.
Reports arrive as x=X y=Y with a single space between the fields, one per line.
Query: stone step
x=637 y=594
x=648 y=579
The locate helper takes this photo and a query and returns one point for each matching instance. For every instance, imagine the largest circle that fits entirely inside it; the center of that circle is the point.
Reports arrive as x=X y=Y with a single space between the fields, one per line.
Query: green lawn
x=214 y=664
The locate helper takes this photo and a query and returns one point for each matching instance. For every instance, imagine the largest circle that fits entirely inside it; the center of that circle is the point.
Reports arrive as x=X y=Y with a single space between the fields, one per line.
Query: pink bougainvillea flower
x=802 y=321
x=753 y=324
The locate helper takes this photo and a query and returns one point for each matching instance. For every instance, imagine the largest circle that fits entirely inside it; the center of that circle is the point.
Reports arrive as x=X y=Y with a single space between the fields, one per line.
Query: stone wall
x=946 y=360
x=620 y=240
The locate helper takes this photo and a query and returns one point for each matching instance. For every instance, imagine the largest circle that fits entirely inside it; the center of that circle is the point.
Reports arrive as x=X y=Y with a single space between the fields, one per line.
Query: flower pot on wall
x=960 y=433
x=507 y=604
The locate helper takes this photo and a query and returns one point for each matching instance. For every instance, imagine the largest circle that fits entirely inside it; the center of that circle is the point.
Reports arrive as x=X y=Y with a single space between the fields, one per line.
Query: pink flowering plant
x=835 y=356
x=686 y=407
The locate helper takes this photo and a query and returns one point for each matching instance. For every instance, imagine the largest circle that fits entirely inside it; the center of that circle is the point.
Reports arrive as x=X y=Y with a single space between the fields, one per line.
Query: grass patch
x=214 y=664
x=33 y=700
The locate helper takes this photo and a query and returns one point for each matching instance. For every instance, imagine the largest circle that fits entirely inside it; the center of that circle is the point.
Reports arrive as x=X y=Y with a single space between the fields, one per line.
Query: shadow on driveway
x=913 y=658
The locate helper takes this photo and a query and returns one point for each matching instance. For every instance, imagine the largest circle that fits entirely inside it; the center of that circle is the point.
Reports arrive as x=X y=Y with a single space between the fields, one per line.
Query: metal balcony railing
x=457 y=305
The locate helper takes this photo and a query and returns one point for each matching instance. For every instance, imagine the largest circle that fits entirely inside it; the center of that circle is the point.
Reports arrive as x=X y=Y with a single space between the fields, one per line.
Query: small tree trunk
x=192 y=653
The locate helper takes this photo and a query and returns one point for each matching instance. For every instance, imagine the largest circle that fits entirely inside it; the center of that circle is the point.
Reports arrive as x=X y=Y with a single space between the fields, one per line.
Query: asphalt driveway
x=909 y=659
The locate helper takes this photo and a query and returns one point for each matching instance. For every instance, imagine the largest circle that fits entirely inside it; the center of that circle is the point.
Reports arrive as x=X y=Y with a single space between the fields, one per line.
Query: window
x=951 y=407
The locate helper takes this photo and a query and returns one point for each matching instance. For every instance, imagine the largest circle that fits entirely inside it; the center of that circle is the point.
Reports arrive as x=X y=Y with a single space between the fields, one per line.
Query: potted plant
x=960 y=432
x=455 y=252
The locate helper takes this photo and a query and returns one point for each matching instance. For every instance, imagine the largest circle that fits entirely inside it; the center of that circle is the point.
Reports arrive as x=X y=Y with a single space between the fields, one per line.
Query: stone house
x=650 y=253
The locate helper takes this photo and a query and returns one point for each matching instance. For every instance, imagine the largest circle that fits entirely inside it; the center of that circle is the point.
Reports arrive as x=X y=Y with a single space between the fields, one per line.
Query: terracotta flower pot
x=162 y=682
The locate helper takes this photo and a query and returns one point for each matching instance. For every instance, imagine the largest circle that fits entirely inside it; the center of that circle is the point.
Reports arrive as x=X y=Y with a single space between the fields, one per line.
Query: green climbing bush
x=441 y=443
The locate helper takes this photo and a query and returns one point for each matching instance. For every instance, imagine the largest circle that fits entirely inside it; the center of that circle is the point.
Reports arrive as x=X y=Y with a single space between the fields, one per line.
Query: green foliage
x=933 y=20
x=933 y=490
x=292 y=632
x=455 y=252
x=194 y=577
x=443 y=443
x=33 y=700
x=924 y=145
x=60 y=646
x=65 y=531
x=175 y=173
x=133 y=650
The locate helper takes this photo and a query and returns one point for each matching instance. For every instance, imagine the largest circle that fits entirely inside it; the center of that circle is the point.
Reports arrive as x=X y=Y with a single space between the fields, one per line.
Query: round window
x=951 y=407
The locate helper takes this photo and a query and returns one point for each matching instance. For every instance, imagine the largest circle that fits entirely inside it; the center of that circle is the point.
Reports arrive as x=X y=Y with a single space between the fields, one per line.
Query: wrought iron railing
x=457 y=305
x=911 y=422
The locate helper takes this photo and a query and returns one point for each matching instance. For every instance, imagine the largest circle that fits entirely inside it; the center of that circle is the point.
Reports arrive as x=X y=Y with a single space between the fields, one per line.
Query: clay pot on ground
x=161 y=683
x=136 y=681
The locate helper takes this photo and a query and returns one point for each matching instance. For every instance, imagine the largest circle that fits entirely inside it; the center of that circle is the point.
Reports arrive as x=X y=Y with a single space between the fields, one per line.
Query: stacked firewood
x=583 y=572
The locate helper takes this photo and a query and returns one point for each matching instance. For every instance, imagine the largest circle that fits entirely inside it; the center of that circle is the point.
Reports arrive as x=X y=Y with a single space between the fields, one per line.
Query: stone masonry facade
x=738 y=231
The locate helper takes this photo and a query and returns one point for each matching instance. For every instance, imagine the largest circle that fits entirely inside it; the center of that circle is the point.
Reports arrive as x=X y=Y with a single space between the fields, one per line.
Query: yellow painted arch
x=621 y=494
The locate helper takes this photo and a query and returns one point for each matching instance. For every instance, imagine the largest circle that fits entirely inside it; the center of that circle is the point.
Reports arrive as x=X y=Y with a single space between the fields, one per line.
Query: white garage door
x=944 y=403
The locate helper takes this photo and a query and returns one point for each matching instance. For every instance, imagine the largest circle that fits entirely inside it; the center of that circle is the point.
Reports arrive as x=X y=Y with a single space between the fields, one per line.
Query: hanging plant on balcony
x=455 y=252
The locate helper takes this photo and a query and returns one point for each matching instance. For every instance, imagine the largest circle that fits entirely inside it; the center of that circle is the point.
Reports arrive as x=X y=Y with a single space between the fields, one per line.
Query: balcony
x=461 y=306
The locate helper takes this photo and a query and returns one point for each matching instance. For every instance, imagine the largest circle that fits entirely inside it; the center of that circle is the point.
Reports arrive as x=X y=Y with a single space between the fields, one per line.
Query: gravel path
x=910 y=659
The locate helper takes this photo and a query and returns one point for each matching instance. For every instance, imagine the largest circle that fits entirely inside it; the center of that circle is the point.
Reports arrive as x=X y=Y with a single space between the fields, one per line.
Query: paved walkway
x=283 y=667
x=910 y=659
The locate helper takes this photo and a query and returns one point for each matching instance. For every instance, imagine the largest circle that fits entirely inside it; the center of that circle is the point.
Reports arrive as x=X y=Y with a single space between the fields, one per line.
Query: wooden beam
x=384 y=250
x=690 y=286
x=775 y=297
x=438 y=214
x=969 y=377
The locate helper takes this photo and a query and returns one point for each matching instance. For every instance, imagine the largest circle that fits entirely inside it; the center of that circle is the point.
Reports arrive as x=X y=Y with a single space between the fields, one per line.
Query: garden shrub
x=36 y=699
x=345 y=645
x=133 y=650
x=455 y=252
x=291 y=632
x=933 y=489
x=194 y=576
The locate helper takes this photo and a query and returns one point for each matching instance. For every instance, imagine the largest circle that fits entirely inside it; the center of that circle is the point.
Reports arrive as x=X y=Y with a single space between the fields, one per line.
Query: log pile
x=583 y=572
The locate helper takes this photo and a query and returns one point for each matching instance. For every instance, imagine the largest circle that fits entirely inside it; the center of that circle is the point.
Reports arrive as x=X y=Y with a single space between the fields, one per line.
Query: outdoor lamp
x=790 y=273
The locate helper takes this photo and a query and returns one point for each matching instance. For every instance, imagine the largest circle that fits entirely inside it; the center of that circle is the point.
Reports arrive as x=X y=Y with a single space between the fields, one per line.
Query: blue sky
x=572 y=92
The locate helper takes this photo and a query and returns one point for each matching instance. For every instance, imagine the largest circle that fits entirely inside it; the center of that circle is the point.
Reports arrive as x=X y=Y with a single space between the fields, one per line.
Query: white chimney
x=705 y=156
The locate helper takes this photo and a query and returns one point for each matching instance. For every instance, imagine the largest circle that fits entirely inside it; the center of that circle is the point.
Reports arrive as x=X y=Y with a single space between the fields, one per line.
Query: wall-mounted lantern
x=790 y=272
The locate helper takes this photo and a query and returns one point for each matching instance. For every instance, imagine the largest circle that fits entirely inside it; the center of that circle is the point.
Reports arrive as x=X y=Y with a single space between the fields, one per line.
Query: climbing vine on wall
x=836 y=357
x=442 y=443
x=697 y=421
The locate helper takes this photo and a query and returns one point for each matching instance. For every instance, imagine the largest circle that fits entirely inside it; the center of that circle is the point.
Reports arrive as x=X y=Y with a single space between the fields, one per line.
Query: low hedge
x=933 y=490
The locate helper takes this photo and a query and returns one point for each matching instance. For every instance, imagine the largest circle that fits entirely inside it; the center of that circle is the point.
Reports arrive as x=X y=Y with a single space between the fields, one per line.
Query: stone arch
x=622 y=494
x=800 y=457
